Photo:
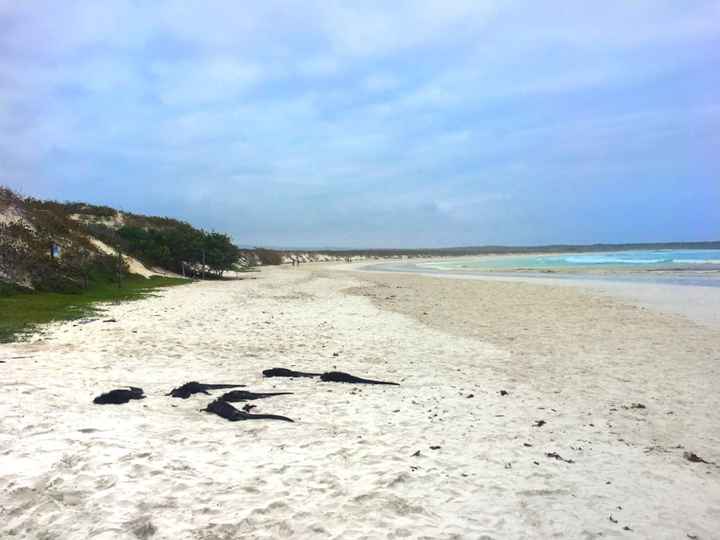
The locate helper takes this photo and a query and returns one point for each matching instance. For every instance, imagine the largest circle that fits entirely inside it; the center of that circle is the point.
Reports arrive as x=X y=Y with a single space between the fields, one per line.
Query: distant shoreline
x=694 y=294
x=676 y=274
x=548 y=249
x=690 y=277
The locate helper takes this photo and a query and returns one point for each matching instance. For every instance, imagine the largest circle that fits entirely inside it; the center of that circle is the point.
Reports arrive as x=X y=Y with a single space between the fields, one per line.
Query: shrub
x=181 y=246
x=269 y=256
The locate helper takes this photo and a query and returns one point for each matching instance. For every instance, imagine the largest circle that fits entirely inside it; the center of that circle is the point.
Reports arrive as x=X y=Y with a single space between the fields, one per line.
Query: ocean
x=671 y=260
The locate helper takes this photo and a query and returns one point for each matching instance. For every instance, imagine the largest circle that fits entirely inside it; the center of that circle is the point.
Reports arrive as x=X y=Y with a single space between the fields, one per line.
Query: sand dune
x=444 y=455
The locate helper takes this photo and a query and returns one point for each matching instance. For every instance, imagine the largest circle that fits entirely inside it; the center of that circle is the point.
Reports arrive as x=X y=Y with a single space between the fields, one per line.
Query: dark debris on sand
x=692 y=457
x=555 y=455
x=635 y=406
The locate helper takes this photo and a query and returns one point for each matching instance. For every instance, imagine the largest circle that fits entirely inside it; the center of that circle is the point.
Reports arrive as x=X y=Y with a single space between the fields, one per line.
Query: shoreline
x=697 y=300
x=709 y=273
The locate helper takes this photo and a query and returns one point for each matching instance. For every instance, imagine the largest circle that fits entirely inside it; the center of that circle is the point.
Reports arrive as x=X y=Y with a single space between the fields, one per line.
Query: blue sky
x=383 y=124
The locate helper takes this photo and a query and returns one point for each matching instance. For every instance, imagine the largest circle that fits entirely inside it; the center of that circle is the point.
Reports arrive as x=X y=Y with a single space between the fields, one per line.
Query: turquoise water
x=668 y=259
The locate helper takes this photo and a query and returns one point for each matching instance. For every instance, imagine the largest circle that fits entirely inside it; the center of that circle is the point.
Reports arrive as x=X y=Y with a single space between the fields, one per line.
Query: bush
x=107 y=235
x=159 y=241
x=88 y=209
x=269 y=256
x=181 y=247
x=11 y=289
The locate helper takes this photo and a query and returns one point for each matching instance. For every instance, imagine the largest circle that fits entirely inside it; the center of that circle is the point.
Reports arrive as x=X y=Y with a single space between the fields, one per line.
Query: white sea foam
x=610 y=260
x=619 y=259
x=696 y=261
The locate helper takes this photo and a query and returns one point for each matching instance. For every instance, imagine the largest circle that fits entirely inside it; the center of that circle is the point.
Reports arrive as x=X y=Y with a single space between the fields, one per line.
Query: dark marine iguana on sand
x=243 y=395
x=339 y=376
x=188 y=389
x=227 y=411
x=282 y=372
x=119 y=396
x=330 y=376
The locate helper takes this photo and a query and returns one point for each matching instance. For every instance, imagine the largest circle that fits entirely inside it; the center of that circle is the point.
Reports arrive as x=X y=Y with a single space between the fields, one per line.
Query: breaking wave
x=696 y=261
x=670 y=259
x=613 y=260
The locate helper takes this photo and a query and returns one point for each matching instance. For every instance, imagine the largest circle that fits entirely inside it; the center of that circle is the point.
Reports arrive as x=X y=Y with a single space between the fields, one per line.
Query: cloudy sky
x=395 y=123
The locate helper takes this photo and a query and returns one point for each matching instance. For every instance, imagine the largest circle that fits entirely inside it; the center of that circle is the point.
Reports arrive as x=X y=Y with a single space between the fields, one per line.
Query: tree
x=181 y=246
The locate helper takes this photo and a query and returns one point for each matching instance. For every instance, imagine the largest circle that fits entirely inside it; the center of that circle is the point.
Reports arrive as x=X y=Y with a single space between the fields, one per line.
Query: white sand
x=159 y=468
x=11 y=215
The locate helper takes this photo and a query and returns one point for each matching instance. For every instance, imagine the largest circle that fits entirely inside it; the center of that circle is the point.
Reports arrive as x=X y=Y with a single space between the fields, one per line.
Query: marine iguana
x=243 y=395
x=282 y=372
x=339 y=376
x=194 y=387
x=227 y=411
x=119 y=396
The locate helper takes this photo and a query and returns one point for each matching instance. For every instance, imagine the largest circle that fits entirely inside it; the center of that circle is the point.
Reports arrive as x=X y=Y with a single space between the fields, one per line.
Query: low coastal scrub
x=57 y=260
x=268 y=256
x=26 y=260
x=50 y=246
x=21 y=310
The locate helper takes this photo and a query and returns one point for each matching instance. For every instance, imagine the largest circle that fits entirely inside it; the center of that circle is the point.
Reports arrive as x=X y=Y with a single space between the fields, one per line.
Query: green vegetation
x=88 y=209
x=25 y=258
x=20 y=310
x=181 y=248
x=268 y=256
x=51 y=269
x=68 y=230
x=25 y=248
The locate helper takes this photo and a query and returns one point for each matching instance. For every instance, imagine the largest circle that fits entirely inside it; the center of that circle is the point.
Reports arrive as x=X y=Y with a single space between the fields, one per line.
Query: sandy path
x=158 y=468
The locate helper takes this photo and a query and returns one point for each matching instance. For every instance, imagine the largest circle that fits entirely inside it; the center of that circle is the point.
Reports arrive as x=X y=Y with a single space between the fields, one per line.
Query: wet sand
x=445 y=455
x=692 y=294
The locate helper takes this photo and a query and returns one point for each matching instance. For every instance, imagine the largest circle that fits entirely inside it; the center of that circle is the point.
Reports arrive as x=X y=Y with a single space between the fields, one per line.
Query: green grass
x=21 y=311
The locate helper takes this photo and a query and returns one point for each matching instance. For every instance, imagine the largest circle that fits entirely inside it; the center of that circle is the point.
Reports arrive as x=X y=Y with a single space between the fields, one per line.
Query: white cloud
x=203 y=81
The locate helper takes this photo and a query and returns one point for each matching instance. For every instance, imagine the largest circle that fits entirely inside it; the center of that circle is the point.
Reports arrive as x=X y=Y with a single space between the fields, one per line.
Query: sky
x=418 y=123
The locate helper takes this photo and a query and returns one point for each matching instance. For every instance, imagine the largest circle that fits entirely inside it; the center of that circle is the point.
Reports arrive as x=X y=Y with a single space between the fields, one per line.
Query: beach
x=525 y=410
